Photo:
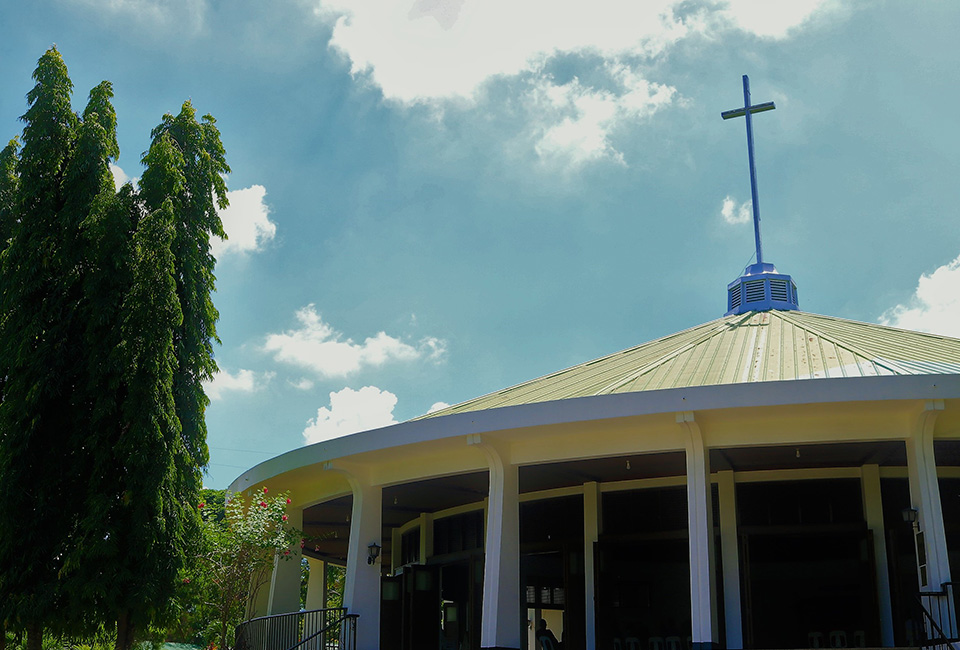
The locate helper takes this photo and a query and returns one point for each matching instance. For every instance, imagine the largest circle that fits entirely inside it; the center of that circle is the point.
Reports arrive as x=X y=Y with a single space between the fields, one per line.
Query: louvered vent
x=755 y=292
x=761 y=288
x=779 y=290
x=734 y=301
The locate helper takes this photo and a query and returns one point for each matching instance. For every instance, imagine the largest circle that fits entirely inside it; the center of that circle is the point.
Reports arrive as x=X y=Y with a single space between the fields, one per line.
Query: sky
x=435 y=199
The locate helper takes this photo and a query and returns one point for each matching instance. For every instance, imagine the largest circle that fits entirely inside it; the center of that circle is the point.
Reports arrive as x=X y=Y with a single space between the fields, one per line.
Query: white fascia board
x=602 y=407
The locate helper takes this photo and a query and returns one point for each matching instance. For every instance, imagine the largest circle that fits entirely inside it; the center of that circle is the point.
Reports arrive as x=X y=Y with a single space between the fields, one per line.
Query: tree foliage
x=240 y=541
x=106 y=333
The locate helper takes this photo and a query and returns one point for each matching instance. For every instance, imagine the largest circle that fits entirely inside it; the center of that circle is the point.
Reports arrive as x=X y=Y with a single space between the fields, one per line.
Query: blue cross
x=747 y=111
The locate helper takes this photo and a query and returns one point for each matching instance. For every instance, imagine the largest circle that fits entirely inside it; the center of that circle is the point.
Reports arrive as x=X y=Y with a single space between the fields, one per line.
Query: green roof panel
x=753 y=347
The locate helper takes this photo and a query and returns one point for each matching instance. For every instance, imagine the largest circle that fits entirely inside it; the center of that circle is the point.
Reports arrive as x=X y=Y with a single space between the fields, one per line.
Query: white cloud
x=578 y=119
x=244 y=381
x=246 y=221
x=439 y=50
x=770 y=19
x=120 y=177
x=317 y=346
x=302 y=384
x=351 y=411
x=734 y=214
x=438 y=406
x=935 y=305
x=448 y=48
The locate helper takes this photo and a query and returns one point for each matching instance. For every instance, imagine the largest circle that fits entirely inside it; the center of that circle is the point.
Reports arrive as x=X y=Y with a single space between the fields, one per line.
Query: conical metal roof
x=752 y=347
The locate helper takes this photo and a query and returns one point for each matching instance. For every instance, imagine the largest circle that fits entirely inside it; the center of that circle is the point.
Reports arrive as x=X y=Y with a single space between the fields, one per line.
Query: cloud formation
x=244 y=381
x=437 y=406
x=246 y=221
x=578 y=119
x=439 y=50
x=934 y=306
x=449 y=48
x=351 y=411
x=316 y=346
x=734 y=214
x=120 y=177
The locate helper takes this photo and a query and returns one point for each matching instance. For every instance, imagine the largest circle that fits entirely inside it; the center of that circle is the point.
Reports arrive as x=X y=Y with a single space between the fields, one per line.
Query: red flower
x=201 y=505
x=264 y=490
x=288 y=501
x=263 y=503
x=287 y=552
x=302 y=543
x=284 y=517
x=186 y=580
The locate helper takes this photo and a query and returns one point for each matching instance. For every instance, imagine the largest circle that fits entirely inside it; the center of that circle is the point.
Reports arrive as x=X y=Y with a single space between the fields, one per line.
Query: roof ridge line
x=639 y=372
x=889 y=364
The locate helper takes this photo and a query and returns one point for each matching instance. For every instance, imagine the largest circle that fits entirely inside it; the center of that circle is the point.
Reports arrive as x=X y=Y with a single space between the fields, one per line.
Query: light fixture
x=373 y=552
x=628 y=464
x=910 y=515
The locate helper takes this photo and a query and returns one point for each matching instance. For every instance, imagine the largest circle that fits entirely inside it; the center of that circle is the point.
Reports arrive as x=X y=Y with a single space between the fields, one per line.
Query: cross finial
x=746 y=112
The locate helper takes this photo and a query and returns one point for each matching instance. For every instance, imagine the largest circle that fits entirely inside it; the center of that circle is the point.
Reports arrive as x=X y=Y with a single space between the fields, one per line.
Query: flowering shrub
x=239 y=546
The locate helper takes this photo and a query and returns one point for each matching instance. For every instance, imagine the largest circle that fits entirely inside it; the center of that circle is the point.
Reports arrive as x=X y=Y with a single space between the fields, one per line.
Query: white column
x=261 y=599
x=873 y=510
x=285 y=581
x=730 y=558
x=362 y=589
x=925 y=497
x=703 y=601
x=501 y=622
x=396 y=549
x=317 y=584
x=591 y=533
x=426 y=536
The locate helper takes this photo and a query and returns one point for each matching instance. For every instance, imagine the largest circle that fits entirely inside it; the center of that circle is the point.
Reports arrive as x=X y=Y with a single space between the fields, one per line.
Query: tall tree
x=106 y=330
x=195 y=200
x=38 y=361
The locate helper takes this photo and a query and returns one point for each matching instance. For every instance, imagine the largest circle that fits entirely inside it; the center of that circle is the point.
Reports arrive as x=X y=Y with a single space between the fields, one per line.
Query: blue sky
x=434 y=199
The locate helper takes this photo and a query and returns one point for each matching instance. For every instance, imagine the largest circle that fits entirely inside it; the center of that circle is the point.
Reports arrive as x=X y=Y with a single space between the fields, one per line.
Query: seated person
x=544 y=633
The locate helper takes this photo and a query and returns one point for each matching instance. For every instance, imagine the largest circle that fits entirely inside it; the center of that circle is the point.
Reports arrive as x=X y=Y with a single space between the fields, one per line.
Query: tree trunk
x=124 y=631
x=34 y=637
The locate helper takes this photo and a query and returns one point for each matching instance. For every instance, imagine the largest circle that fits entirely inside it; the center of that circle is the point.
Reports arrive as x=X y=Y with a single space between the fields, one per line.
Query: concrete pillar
x=426 y=536
x=501 y=621
x=592 y=518
x=873 y=511
x=730 y=559
x=925 y=497
x=396 y=550
x=317 y=584
x=362 y=589
x=285 y=581
x=703 y=588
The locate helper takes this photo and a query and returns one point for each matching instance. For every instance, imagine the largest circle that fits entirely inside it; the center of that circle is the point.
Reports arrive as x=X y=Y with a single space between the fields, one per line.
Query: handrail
x=945 y=617
x=340 y=620
x=928 y=617
x=322 y=629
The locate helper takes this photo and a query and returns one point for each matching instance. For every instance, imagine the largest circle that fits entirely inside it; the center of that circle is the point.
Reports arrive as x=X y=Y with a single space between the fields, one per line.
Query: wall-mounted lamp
x=910 y=515
x=373 y=552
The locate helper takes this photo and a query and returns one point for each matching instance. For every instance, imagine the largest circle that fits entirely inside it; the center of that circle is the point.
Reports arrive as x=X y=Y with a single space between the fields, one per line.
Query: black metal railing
x=316 y=629
x=936 y=619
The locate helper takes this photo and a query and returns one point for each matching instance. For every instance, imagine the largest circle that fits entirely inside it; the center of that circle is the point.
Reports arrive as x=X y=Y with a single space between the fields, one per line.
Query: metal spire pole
x=754 y=193
x=747 y=111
